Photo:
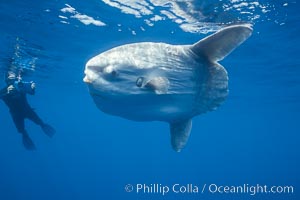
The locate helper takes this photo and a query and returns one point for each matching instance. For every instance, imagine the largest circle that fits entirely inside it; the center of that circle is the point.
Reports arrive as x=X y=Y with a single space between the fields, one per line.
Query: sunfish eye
x=114 y=73
x=139 y=81
x=110 y=71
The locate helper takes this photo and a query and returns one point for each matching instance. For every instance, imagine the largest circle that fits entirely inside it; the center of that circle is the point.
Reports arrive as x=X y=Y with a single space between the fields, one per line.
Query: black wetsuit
x=19 y=108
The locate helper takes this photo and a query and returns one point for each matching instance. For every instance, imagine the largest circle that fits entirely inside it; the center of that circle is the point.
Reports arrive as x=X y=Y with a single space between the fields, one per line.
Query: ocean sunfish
x=150 y=81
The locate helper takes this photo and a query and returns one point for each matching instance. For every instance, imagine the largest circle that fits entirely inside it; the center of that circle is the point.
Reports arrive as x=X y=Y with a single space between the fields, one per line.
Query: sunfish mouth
x=86 y=80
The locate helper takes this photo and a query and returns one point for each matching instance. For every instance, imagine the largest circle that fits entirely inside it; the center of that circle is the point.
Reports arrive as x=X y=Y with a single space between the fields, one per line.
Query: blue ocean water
x=253 y=138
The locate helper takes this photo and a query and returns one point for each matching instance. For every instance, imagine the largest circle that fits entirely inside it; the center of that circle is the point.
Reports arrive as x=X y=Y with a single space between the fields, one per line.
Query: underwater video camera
x=26 y=87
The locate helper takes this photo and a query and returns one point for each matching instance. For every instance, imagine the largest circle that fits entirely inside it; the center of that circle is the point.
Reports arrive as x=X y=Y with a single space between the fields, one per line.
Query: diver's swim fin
x=48 y=130
x=27 y=142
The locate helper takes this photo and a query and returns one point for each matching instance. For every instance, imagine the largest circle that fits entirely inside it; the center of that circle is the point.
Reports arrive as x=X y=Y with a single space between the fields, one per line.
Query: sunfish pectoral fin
x=180 y=133
x=159 y=85
x=217 y=46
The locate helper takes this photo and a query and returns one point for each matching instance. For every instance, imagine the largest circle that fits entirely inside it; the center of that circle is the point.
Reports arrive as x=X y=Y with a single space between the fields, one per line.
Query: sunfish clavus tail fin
x=180 y=133
x=217 y=46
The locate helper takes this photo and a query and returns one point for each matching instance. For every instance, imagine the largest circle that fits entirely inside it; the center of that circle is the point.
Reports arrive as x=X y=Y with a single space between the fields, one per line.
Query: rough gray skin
x=162 y=82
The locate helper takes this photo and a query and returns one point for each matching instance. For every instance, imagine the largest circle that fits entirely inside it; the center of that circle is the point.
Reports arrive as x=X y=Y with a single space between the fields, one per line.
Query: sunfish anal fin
x=180 y=133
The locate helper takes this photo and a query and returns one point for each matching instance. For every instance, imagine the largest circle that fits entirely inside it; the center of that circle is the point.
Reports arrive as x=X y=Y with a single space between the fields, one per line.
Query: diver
x=14 y=96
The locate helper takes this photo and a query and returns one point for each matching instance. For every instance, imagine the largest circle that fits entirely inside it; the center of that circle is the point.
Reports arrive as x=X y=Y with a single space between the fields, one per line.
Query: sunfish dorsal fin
x=217 y=46
x=180 y=133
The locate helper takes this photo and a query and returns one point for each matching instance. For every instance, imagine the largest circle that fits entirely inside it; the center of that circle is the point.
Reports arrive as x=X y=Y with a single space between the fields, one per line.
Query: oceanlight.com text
x=249 y=189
